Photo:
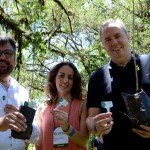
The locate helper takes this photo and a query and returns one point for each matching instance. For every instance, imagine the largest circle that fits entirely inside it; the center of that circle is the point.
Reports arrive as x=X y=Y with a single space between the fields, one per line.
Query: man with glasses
x=12 y=96
x=7 y=53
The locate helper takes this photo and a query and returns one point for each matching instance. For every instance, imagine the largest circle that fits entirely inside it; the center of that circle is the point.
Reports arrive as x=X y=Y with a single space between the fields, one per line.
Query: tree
x=48 y=32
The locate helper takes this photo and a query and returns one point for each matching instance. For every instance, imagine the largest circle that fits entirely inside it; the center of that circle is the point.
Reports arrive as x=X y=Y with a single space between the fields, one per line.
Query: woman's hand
x=62 y=117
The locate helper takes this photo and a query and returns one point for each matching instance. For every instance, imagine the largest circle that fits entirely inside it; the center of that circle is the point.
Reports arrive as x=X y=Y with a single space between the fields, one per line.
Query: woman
x=63 y=127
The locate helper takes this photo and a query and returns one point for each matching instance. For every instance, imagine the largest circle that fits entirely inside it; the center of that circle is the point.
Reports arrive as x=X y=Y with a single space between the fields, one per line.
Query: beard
x=5 y=69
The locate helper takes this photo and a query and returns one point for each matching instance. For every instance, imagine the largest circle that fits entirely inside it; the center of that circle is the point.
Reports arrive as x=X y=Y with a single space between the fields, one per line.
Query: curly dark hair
x=50 y=88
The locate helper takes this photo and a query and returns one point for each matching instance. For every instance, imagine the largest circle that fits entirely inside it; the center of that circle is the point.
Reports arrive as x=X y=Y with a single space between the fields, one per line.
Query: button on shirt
x=15 y=95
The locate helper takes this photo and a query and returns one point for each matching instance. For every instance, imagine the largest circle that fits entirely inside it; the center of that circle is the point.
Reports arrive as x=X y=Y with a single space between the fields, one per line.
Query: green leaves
x=66 y=30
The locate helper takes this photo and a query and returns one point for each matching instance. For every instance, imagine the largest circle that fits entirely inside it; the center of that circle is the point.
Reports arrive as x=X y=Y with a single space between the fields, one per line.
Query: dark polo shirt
x=107 y=84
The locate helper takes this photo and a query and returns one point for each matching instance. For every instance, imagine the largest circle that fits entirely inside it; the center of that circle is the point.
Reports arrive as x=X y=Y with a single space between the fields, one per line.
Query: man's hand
x=10 y=108
x=13 y=119
x=144 y=132
x=103 y=123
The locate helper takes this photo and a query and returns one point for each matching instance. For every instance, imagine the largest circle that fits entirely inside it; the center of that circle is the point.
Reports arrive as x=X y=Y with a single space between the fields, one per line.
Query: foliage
x=48 y=32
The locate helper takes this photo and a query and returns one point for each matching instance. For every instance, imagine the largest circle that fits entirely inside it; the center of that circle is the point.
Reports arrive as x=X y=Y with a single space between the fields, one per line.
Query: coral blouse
x=48 y=123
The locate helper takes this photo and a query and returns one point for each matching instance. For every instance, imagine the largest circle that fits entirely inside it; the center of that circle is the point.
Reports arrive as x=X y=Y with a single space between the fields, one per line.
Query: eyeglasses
x=7 y=53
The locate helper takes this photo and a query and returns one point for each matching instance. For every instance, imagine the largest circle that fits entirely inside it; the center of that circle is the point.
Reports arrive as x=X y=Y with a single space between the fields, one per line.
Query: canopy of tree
x=50 y=31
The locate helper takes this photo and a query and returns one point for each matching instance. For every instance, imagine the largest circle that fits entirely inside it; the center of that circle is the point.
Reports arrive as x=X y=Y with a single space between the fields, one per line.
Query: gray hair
x=7 y=39
x=109 y=21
